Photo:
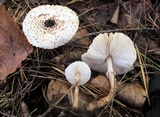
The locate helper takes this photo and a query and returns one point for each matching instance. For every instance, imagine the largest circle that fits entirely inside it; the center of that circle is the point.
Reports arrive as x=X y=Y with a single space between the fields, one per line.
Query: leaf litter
x=39 y=88
x=14 y=45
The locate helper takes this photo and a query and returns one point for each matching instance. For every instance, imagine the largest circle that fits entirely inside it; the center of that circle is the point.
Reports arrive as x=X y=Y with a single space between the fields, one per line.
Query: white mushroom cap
x=78 y=67
x=50 y=26
x=118 y=45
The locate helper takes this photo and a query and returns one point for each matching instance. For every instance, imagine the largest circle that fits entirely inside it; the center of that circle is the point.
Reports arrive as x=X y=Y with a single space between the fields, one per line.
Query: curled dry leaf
x=131 y=94
x=14 y=45
x=115 y=16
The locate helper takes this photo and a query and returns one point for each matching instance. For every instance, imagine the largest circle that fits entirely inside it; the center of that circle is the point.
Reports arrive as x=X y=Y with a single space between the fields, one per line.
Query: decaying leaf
x=78 y=38
x=104 y=13
x=56 y=88
x=102 y=83
x=14 y=45
x=144 y=43
x=115 y=16
x=131 y=14
x=128 y=21
x=131 y=94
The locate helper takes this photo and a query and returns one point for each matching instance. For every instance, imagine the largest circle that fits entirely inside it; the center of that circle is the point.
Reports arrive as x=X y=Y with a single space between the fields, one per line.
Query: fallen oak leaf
x=14 y=45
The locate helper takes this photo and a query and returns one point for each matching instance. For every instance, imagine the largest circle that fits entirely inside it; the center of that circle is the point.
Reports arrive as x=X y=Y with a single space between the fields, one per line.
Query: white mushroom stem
x=76 y=91
x=77 y=73
x=100 y=103
x=106 y=52
x=103 y=101
x=110 y=73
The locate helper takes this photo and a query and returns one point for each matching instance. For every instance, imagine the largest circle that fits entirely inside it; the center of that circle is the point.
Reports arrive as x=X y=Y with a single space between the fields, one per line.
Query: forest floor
x=39 y=87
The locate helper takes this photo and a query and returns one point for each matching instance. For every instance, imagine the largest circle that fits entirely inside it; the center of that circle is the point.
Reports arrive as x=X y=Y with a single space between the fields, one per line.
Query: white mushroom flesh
x=118 y=46
x=62 y=25
x=80 y=68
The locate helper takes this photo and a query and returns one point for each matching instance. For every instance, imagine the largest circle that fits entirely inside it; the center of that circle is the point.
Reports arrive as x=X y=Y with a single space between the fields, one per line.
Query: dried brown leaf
x=115 y=16
x=132 y=14
x=128 y=21
x=104 y=13
x=56 y=88
x=14 y=45
x=102 y=83
x=132 y=94
x=151 y=46
x=82 y=32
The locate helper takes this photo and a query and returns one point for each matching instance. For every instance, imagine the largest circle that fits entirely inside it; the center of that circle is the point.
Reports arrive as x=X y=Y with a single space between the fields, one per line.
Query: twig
x=113 y=30
x=7 y=115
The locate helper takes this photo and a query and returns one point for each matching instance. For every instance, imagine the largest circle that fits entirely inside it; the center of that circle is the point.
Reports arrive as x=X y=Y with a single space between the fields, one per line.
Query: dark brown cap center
x=49 y=23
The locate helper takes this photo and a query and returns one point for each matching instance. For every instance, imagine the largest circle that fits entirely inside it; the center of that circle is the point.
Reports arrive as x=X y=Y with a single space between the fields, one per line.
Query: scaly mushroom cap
x=78 y=71
x=118 y=45
x=50 y=26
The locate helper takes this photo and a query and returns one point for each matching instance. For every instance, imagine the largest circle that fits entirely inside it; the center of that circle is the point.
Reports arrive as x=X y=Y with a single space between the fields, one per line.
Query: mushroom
x=50 y=26
x=77 y=73
x=111 y=54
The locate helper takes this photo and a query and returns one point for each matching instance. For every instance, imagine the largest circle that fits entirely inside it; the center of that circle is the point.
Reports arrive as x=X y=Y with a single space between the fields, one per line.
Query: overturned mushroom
x=50 y=26
x=111 y=54
x=77 y=73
